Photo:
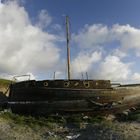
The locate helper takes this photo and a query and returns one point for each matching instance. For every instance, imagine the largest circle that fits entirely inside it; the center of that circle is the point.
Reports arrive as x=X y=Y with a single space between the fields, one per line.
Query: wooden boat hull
x=45 y=100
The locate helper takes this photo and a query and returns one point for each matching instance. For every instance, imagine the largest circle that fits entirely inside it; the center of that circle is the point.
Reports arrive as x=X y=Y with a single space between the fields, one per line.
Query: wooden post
x=68 y=48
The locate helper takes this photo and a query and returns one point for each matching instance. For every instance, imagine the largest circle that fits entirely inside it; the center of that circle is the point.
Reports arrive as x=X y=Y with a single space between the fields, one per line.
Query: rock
x=110 y=117
x=73 y=136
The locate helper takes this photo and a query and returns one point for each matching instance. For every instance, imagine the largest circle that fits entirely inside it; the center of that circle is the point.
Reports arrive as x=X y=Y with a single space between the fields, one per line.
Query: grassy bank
x=4 y=82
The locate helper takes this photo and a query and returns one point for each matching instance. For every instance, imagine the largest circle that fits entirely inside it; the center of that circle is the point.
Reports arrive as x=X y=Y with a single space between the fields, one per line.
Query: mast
x=68 y=48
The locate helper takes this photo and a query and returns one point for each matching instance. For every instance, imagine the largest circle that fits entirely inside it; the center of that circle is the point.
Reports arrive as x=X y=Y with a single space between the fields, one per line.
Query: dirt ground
x=118 y=129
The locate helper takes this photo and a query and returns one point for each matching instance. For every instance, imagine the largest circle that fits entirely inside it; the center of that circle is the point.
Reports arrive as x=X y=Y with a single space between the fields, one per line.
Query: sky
x=105 y=39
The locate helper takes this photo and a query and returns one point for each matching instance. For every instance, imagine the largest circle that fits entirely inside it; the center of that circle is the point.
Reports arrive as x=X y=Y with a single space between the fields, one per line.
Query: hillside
x=4 y=84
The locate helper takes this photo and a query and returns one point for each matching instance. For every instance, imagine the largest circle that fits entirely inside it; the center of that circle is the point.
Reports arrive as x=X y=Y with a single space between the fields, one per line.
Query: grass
x=45 y=121
x=4 y=82
x=23 y=120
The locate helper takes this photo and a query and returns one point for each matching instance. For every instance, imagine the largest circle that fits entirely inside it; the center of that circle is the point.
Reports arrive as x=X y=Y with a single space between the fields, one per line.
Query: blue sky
x=104 y=38
x=84 y=12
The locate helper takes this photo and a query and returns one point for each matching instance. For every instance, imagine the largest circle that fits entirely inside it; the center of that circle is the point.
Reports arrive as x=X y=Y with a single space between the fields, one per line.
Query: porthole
x=66 y=84
x=45 y=84
x=86 y=84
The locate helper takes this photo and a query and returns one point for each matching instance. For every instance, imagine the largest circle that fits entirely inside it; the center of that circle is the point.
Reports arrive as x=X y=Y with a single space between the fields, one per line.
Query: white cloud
x=110 y=68
x=24 y=47
x=91 y=36
x=117 y=52
x=84 y=61
x=135 y=77
x=44 y=19
x=120 y=40
x=127 y=36
x=100 y=35
x=114 y=69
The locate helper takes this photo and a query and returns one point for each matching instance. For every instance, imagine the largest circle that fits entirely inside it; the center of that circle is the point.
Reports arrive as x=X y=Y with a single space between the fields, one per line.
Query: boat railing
x=15 y=78
x=115 y=84
x=131 y=85
x=126 y=85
